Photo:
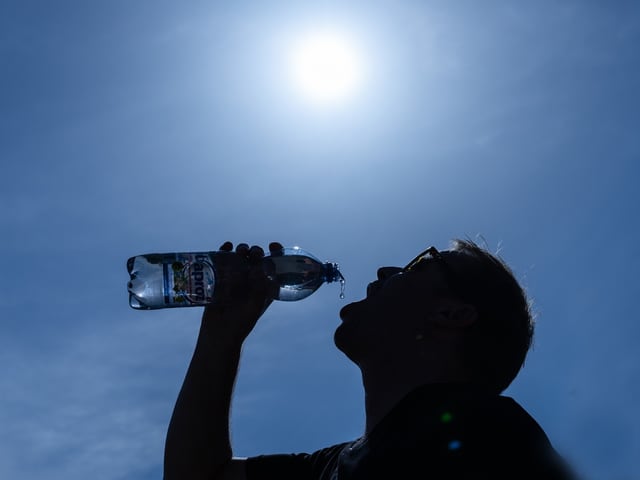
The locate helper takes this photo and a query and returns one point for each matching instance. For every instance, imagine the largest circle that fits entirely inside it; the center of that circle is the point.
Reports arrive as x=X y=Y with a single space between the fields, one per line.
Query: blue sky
x=135 y=127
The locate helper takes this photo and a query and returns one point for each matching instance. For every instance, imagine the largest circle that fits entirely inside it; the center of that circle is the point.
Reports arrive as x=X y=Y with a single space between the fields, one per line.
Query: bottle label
x=190 y=279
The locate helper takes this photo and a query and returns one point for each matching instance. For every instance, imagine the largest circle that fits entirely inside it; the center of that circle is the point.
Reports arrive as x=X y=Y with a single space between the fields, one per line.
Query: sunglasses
x=430 y=255
x=421 y=260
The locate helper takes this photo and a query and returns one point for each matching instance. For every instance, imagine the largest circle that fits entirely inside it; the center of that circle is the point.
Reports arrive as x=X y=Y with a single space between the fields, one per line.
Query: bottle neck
x=332 y=273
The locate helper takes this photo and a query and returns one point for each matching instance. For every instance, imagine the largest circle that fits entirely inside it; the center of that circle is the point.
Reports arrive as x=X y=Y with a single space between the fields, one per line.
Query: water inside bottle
x=298 y=275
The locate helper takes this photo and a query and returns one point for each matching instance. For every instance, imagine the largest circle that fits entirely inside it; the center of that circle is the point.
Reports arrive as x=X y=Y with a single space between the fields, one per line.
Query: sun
x=326 y=67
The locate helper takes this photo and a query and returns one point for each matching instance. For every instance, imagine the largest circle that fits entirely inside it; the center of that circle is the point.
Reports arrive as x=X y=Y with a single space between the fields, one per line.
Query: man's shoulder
x=471 y=430
x=501 y=426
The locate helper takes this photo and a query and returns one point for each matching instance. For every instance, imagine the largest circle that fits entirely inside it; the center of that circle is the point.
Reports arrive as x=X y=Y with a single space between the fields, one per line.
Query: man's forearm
x=198 y=442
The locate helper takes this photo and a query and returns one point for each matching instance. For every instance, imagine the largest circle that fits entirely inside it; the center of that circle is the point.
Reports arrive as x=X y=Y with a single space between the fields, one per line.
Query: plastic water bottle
x=165 y=280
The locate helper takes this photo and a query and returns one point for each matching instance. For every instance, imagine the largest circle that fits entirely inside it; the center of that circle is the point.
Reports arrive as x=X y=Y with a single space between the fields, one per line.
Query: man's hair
x=496 y=344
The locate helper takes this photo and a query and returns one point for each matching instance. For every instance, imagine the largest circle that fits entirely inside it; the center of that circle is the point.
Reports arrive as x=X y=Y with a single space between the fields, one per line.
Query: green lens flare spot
x=446 y=417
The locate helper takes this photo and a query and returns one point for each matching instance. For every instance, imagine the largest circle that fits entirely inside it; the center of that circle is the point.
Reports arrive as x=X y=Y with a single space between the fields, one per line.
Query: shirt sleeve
x=318 y=465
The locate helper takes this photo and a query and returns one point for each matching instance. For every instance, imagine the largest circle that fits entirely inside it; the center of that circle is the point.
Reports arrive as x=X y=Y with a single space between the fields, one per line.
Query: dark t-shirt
x=448 y=431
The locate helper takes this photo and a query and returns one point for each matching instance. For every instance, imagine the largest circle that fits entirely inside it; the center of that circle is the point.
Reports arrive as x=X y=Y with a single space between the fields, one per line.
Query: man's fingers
x=276 y=248
x=256 y=254
x=255 y=250
x=242 y=249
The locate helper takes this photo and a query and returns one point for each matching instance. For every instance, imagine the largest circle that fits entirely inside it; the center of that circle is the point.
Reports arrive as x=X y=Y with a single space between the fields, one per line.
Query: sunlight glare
x=325 y=67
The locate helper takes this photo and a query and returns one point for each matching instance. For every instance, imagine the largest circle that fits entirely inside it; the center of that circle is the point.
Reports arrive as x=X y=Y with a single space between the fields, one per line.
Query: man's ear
x=456 y=315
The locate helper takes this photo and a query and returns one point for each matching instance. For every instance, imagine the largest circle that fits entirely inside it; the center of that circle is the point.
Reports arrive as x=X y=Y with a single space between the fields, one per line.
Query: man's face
x=394 y=312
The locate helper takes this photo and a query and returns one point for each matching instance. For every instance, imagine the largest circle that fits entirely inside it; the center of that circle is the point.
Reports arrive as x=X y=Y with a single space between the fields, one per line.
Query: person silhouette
x=437 y=343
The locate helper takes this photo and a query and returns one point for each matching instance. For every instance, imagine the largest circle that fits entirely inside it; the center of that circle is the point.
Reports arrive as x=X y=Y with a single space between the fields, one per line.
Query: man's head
x=459 y=313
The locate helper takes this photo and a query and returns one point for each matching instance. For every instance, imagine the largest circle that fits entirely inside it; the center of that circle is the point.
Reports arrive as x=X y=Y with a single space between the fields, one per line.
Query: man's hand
x=251 y=291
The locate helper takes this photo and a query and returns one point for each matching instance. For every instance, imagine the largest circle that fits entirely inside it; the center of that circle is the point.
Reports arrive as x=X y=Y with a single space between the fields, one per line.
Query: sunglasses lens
x=421 y=260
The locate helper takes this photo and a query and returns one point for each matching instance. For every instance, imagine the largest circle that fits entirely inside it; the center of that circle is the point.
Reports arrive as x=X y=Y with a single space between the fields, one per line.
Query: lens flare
x=454 y=445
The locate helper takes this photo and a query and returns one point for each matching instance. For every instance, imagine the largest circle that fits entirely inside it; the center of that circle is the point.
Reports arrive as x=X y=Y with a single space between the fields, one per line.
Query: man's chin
x=349 y=311
x=346 y=335
x=344 y=342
